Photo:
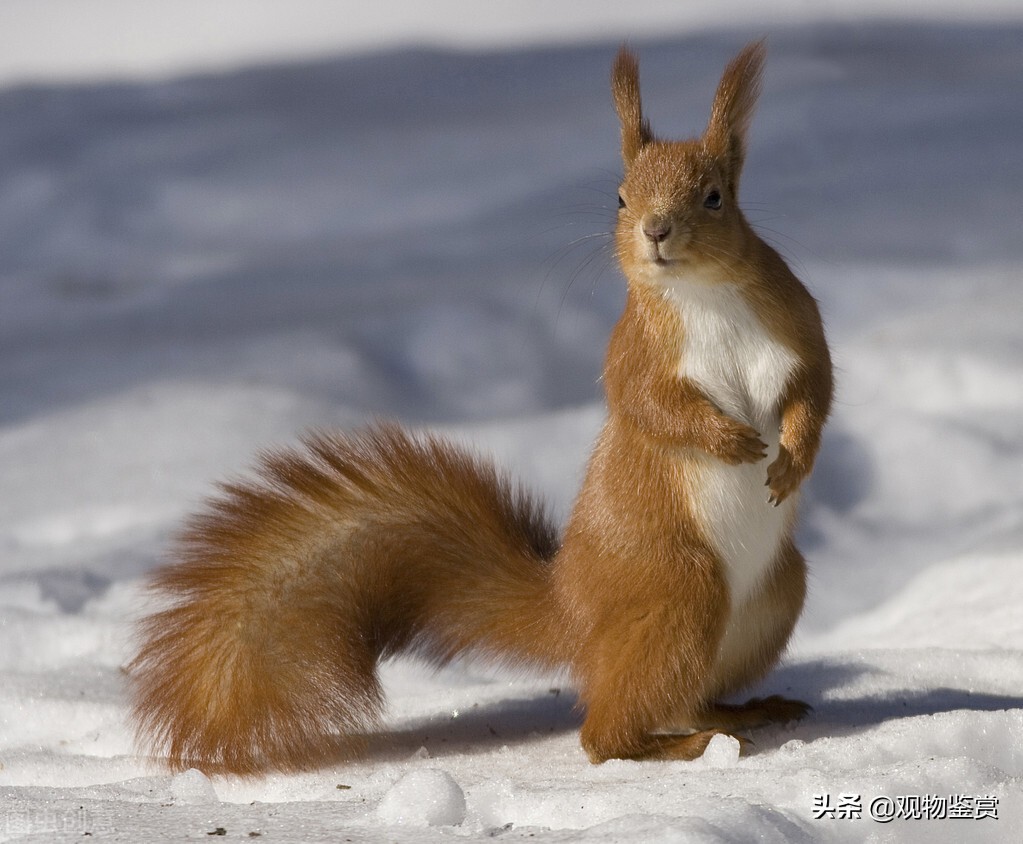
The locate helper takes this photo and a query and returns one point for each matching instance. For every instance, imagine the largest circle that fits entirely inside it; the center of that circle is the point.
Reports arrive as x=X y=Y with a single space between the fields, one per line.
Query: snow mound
x=425 y=797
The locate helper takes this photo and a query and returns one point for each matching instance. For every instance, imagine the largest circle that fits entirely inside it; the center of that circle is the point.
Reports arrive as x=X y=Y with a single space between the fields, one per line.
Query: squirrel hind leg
x=689 y=747
x=756 y=712
x=645 y=662
x=663 y=747
x=691 y=736
x=648 y=682
x=715 y=719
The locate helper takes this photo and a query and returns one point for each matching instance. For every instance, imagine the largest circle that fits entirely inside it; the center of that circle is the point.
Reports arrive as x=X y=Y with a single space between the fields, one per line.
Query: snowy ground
x=197 y=267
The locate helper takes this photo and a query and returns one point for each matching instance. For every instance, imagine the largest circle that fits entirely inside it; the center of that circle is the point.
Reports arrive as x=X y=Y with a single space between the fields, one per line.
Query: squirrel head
x=678 y=202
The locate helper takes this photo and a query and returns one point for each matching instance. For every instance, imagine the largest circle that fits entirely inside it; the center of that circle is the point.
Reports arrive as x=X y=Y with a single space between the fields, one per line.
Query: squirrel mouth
x=654 y=255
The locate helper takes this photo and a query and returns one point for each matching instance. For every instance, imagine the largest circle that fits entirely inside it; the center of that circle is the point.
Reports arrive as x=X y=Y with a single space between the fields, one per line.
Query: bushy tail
x=287 y=591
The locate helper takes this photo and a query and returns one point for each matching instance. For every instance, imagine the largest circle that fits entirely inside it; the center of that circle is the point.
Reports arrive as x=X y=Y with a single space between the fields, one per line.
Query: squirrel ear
x=625 y=91
x=733 y=107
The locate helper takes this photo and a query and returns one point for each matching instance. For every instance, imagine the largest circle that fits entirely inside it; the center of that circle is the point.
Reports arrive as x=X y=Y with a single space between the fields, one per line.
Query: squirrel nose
x=656 y=229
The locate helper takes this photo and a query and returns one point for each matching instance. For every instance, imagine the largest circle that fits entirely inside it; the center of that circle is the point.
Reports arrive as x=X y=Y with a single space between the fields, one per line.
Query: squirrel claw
x=739 y=443
x=783 y=477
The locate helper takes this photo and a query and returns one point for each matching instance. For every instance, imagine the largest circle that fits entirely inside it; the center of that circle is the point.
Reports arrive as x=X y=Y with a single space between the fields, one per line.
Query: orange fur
x=288 y=591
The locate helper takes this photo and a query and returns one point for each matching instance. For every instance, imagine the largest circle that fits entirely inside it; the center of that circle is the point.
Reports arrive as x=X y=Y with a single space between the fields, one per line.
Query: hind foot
x=756 y=712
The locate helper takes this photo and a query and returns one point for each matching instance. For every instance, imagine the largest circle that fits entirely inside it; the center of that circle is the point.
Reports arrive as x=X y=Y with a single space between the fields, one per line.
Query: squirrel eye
x=621 y=201
x=713 y=201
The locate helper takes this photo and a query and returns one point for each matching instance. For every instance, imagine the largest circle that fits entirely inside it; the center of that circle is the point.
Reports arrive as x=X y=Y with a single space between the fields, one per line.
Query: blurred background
x=223 y=223
x=105 y=39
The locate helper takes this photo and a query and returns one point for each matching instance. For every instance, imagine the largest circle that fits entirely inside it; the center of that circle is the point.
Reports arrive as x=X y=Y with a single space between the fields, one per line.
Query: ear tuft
x=734 y=103
x=625 y=91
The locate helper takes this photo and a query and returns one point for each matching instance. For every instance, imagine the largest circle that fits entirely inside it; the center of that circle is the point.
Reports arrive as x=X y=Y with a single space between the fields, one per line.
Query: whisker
x=594 y=255
x=601 y=239
x=725 y=258
x=789 y=241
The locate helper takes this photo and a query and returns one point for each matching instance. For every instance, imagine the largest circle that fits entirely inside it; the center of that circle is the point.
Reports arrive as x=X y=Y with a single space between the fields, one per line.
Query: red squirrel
x=676 y=581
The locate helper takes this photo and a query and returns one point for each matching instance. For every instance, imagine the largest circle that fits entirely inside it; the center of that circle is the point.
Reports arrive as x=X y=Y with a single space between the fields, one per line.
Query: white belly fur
x=730 y=355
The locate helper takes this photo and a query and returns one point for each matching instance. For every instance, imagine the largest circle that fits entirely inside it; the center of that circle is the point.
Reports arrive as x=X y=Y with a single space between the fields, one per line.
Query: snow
x=207 y=252
x=423 y=797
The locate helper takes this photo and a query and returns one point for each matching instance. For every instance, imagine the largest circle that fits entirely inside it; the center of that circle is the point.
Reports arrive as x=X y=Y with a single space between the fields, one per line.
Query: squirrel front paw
x=783 y=476
x=735 y=442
